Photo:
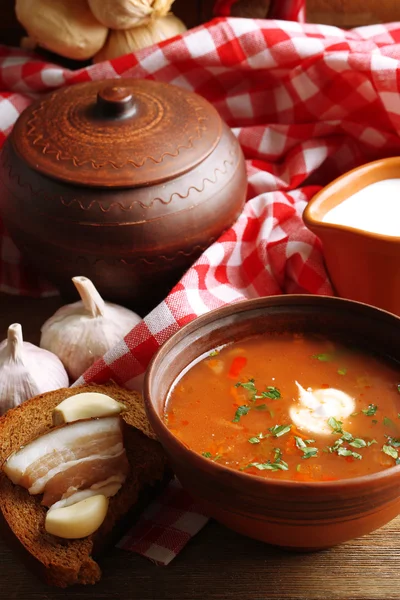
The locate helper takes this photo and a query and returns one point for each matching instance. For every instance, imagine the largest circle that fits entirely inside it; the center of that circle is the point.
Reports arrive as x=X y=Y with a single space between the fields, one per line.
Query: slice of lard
x=315 y=407
x=82 y=455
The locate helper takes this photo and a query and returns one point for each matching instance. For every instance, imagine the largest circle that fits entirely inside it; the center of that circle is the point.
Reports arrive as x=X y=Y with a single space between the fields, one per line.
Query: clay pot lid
x=117 y=133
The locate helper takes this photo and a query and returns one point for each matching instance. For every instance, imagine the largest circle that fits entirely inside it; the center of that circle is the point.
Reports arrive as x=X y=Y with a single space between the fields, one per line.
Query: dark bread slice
x=67 y=562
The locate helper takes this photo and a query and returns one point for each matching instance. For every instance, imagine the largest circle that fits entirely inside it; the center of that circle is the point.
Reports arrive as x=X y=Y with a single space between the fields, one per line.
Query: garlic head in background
x=82 y=332
x=26 y=370
x=125 y=14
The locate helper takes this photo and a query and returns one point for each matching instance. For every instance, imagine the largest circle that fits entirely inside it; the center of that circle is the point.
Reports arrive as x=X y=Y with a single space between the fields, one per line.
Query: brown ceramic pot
x=291 y=514
x=124 y=181
x=363 y=266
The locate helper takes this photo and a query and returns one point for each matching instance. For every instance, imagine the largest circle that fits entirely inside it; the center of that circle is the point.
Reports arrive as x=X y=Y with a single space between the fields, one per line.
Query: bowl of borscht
x=281 y=416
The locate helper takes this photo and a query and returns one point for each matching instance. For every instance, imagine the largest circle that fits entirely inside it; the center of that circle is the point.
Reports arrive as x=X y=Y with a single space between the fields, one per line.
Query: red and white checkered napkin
x=307 y=103
x=166 y=526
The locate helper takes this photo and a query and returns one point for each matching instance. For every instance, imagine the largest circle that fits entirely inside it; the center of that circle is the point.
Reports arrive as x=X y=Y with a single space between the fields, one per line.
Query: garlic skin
x=26 y=370
x=122 y=42
x=82 y=332
x=66 y=27
x=125 y=14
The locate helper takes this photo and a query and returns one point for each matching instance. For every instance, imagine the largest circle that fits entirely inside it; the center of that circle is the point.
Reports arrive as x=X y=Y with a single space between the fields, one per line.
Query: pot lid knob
x=116 y=101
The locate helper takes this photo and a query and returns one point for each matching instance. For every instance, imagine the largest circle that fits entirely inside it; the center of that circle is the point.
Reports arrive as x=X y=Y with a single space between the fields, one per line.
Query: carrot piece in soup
x=238 y=363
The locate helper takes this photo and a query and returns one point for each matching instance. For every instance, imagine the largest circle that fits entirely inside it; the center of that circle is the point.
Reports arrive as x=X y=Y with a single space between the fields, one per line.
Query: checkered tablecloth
x=307 y=103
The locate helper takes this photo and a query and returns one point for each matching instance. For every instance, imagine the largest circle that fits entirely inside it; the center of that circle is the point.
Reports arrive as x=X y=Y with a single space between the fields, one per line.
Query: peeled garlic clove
x=78 y=520
x=126 y=14
x=82 y=332
x=87 y=405
x=131 y=40
x=26 y=370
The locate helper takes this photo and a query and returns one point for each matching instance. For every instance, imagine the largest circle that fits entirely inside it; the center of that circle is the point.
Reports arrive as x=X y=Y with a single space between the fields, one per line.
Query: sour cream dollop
x=315 y=407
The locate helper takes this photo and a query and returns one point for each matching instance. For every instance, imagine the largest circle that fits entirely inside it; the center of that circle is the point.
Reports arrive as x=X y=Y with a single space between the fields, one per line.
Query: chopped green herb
x=310 y=452
x=342 y=371
x=371 y=442
x=347 y=452
x=358 y=443
x=271 y=392
x=390 y=451
x=210 y=456
x=279 y=430
x=335 y=446
x=300 y=443
x=335 y=425
x=260 y=407
x=354 y=414
x=323 y=357
x=374 y=421
x=398 y=388
x=257 y=438
x=388 y=422
x=277 y=465
x=347 y=436
x=240 y=412
x=395 y=442
x=370 y=411
x=214 y=353
x=247 y=385
x=269 y=466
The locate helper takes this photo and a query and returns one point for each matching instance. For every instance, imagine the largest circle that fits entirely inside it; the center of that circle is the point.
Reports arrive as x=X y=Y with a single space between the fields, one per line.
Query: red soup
x=290 y=406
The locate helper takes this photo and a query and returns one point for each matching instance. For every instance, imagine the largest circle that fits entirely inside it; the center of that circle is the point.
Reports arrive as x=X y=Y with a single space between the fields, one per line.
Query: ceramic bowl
x=304 y=516
x=362 y=266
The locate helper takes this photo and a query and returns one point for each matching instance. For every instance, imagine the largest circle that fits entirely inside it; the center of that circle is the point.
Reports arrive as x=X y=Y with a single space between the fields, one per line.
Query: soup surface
x=289 y=406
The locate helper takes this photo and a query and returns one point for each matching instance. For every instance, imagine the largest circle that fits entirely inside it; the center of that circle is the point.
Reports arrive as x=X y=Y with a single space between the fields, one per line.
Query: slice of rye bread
x=67 y=562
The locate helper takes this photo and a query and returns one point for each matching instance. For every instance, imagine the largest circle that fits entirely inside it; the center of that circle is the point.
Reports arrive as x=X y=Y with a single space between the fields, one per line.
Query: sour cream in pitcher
x=375 y=208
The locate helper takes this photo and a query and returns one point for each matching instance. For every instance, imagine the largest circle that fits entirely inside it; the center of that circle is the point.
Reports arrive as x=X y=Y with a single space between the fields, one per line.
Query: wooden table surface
x=217 y=564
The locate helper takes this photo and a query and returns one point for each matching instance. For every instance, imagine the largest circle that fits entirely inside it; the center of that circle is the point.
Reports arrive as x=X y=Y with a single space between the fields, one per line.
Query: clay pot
x=362 y=266
x=123 y=181
x=304 y=516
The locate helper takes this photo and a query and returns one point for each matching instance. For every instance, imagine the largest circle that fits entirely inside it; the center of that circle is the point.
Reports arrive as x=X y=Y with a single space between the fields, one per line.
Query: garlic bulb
x=125 y=14
x=82 y=332
x=132 y=40
x=66 y=27
x=26 y=370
